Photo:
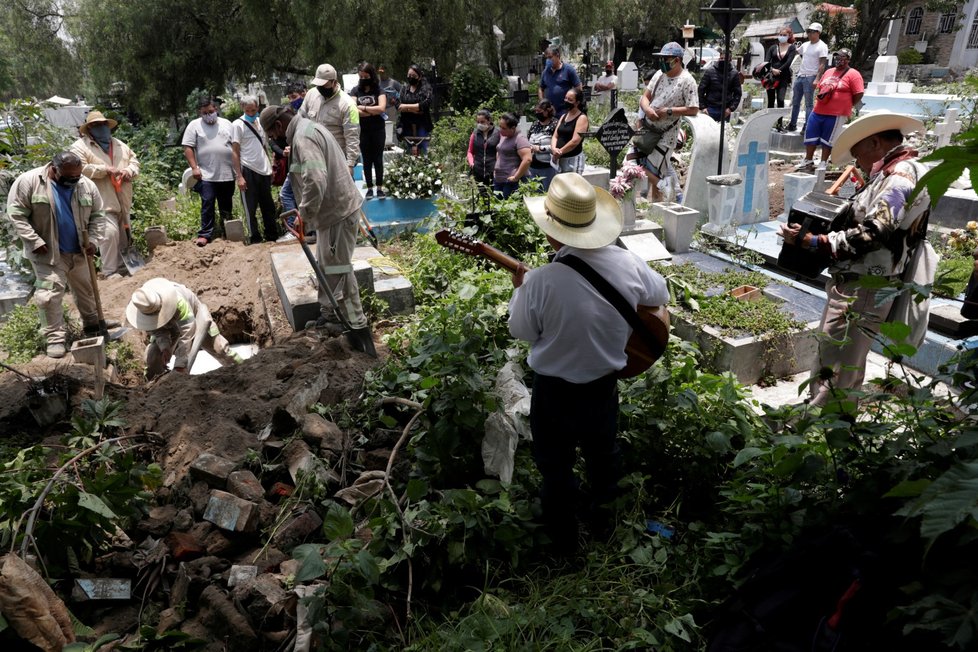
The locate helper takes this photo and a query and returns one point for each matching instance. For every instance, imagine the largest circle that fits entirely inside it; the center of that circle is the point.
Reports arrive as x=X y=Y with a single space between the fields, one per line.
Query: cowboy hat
x=152 y=305
x=576 y=213
x=92 y=118
x=866 y=126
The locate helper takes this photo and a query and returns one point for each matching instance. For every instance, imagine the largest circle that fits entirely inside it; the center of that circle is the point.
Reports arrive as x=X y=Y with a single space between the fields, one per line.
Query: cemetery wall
x=938 y=45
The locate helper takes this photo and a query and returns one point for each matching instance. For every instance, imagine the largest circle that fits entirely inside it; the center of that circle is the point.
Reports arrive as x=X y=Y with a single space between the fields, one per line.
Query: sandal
x=201 y=242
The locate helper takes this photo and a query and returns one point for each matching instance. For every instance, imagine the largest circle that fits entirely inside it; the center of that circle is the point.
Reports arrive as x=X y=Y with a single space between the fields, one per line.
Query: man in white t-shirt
x=605 y=84
x=207 y=146
x=814 y=60
x=252 y=169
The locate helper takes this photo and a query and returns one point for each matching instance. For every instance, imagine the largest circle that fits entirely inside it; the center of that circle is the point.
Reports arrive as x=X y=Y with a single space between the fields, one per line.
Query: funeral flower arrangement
x=412 y=177
x=624 y=182
x=964 y=240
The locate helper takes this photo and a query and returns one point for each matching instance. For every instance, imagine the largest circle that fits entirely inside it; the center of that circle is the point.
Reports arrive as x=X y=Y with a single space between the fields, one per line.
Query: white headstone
x=724 y=193
x=945 y=130
x=627 y=76
x=702 y=162
x=750 y=161
x=796 y=184
x=884 y=76
x=524 y=125
x=350 y=81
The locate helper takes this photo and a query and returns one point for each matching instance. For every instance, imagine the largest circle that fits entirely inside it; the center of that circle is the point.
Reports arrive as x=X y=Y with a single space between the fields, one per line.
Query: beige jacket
x=95 y=162
x=338 y=114
x=325 y=193
x=31 y=210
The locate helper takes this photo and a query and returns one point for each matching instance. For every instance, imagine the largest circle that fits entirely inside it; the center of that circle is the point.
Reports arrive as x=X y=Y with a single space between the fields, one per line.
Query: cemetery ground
x=314 y=498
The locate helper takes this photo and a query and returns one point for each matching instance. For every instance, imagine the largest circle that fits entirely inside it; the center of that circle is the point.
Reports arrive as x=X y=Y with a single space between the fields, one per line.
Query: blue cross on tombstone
x=750 y=161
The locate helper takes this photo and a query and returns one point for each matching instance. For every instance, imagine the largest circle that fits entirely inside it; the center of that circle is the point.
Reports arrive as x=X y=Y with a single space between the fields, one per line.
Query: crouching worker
x=174 y=318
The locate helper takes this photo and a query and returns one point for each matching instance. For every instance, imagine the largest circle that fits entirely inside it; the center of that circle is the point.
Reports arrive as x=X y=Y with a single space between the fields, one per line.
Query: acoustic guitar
x=645 y=345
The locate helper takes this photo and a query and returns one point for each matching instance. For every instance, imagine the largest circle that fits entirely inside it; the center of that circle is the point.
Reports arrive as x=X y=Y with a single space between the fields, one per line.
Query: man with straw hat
x=882 y=233
x=112 y=166
x=173 y=315
x=577 y=343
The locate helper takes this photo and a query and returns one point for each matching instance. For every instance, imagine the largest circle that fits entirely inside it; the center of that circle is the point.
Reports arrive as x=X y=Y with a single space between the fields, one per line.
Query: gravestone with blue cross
x=750 y=159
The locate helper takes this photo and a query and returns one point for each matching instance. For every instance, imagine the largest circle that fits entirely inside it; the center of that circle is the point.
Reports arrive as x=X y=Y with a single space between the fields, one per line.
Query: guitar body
x=642 y=354
x=642 y=349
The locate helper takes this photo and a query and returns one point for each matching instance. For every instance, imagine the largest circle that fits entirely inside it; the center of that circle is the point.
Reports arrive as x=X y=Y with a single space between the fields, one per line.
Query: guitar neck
x=498 y=257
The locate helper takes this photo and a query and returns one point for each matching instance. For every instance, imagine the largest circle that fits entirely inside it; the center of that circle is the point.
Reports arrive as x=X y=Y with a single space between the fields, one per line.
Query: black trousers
x=775 y=96
x=372 y=141
x=564 y=416
x=259 y=195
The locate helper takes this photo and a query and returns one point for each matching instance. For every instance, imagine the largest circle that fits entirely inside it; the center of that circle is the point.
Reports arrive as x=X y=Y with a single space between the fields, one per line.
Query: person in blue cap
x=671 y=94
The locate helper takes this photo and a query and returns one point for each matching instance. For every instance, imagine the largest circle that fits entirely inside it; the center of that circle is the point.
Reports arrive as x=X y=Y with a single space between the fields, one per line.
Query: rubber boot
x=362 y=340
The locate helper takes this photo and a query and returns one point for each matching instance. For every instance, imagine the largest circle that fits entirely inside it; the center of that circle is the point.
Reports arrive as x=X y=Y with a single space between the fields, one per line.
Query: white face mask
x=782 y=39
x=481 y=126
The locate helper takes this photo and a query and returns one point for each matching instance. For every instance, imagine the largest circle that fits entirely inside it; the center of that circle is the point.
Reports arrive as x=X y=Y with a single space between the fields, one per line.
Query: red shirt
x=838 y=89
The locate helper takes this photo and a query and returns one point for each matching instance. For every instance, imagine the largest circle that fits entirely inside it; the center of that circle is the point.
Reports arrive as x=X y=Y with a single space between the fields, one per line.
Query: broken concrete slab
x=239 y=574
x=295 y=530
x=300 y=459
x=183 y=546
x=211 y=469
x=231 y=513
x=322 y=433
x=647 y=246
x=244 y=484
x=397 y=292
x=101 y=588
x=234 y=230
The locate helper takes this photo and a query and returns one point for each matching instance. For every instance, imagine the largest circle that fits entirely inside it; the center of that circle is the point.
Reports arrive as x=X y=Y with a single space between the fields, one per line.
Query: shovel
x=130 y=255
x=102 y=328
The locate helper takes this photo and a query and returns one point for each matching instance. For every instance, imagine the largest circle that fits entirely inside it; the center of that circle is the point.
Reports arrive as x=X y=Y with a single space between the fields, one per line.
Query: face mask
x=209 y=118
x=782 y=39
x=413 y=79
x=102 y=135
x=327 y=92
x=296 y=103
x=250 y=118
x=666 y=65
x=68 y=182
x=541 y=116
x=482 y=127
x=568 y=105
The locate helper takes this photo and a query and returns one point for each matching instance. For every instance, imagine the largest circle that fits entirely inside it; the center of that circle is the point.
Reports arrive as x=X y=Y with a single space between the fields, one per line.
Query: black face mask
x=412 y=79
x=364 y=84
x=327 y=92
x=541 y=116
x=67 y=182
x=568 y=105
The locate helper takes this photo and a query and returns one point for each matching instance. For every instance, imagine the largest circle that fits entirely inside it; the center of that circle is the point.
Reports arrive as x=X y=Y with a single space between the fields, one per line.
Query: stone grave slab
x=628 y=76
x=646 y=245
x=297 y=286
x=597 y=176
x=389 y=283
x=956 y=208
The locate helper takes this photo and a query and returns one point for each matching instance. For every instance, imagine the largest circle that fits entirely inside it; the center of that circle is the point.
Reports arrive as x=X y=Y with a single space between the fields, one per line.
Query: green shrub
x=909 y=57
x=473 y=87
x=20 y=335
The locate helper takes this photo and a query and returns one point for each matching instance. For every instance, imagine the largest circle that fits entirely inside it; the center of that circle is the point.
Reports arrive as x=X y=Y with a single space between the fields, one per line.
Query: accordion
x=817 y=213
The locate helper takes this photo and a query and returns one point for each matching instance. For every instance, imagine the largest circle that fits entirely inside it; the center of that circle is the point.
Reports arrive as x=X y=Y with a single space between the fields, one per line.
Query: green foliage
x=473 y=87
x=161 y=164
x=449 y=144
x=20 y=334
x=35 y=59
x=954 y=159
x=104 y=490
x=909 y=57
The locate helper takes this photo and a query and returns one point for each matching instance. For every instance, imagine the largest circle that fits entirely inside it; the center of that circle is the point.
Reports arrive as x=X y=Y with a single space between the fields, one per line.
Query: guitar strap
x=614 y=297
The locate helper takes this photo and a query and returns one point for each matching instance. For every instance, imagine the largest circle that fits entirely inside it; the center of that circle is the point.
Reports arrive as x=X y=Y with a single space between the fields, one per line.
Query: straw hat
x=576 y=213
x=92 y=118
x=152 y=305
x=866 y=126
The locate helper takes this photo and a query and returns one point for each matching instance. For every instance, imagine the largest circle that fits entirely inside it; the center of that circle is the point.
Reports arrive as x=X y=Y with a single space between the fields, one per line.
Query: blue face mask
x=250 y=118
x=296 y=103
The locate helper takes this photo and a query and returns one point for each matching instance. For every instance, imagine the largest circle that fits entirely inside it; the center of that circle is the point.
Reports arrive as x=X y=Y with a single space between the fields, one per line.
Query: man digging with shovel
x=178 y=324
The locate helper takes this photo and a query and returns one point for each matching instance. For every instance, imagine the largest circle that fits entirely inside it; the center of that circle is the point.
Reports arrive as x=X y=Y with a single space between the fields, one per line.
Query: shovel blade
x=133 y=260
